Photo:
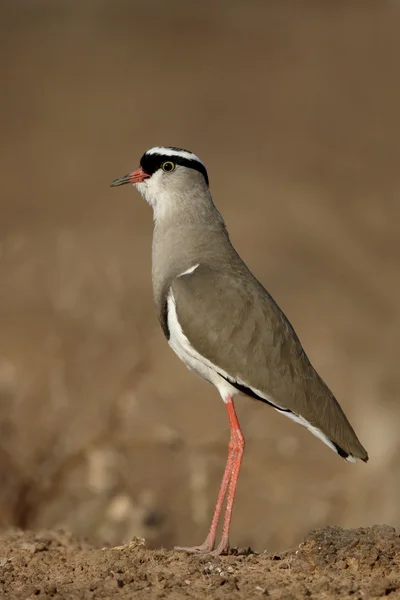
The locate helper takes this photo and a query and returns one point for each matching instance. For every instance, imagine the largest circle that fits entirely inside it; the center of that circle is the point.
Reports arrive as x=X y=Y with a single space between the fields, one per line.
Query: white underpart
x=161 y=200
x=215 y=375
x=189 y=271
x=171 y=152
x=351 y=458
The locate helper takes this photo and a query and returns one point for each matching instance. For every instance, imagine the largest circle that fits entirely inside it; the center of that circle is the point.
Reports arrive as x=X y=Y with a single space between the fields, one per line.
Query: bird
x=223 y=324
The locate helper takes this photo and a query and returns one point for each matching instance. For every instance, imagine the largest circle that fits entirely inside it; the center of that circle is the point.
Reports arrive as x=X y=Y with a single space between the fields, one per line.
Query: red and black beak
x=135 y=177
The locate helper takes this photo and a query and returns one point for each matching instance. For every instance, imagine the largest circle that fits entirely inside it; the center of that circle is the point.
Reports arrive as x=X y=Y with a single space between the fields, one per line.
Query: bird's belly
x=193 y=362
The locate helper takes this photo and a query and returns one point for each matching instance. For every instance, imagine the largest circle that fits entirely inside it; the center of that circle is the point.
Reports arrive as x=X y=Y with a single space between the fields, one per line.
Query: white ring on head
x=171 y=152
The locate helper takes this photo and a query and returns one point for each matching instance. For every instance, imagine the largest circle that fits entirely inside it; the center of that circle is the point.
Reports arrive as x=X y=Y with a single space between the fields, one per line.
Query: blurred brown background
x=294 y=107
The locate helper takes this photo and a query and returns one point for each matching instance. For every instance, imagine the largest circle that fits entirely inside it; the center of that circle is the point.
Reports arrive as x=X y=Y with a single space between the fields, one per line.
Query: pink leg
x=230 y=477
x=223 y=546
x=209 y=542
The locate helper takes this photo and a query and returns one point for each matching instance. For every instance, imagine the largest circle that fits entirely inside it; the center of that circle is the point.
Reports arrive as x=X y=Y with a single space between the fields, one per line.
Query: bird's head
x=165 y=175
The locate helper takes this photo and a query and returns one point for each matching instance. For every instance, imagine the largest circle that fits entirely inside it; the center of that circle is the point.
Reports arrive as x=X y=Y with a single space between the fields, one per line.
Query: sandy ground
x=329 y=563
x=294 y=107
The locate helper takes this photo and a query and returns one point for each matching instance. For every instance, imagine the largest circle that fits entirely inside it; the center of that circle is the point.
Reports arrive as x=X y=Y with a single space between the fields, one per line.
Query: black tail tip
x=351 y=457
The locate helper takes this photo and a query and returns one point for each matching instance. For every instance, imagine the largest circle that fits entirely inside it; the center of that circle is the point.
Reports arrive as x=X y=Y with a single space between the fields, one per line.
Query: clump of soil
x=330 y=563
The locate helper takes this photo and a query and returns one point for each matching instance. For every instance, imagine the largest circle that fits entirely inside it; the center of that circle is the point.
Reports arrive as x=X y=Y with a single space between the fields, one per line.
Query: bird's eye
x=168 y=166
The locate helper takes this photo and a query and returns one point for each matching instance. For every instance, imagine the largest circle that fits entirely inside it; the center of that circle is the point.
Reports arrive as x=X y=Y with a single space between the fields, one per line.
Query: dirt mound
x=330 y=563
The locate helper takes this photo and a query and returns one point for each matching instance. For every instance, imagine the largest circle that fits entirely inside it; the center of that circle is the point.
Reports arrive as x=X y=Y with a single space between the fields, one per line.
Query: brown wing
x=232 y=321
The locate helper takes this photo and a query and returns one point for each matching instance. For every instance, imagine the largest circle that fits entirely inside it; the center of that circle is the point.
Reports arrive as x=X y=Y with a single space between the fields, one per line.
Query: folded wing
x=231 y=320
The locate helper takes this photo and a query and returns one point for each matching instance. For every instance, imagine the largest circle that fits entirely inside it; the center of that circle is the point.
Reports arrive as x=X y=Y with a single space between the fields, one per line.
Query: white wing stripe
x=189 y=271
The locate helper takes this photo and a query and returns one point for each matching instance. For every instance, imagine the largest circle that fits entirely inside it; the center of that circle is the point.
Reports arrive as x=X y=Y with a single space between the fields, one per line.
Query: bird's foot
x=207 y=548
x=222 y=548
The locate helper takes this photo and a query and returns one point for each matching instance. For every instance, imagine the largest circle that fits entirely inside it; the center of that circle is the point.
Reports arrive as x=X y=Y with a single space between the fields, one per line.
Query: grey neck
x=187 y=236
